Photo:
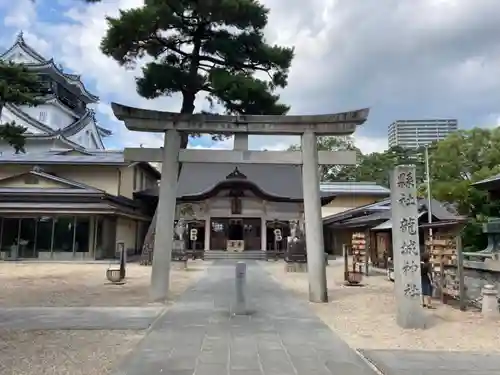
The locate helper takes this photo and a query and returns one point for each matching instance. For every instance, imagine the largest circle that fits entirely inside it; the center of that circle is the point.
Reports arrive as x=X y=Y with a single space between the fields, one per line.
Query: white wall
x=50 y=114
x=30 y=147
x=19 y=56
x=8 y=116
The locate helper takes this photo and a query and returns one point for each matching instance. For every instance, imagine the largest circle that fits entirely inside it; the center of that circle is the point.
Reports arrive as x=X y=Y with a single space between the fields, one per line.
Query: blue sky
x=415 y=60
x=55 y=13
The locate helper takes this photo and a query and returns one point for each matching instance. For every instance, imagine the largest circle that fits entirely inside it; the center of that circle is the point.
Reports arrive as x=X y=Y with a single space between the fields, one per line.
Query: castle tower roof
x=40 y=64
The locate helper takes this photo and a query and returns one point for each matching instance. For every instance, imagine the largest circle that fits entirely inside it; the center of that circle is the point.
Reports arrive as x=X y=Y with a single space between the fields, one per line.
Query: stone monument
x=405 y=245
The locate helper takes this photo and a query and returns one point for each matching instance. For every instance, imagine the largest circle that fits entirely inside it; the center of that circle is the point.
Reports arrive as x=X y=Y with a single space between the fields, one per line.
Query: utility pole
x=429 y=195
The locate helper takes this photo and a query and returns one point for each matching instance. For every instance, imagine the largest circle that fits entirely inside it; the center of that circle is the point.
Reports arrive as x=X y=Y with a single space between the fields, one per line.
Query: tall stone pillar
x=160 y=274
x=263 y=234
x=313 y=222
x=208 y=232
x=405 y=244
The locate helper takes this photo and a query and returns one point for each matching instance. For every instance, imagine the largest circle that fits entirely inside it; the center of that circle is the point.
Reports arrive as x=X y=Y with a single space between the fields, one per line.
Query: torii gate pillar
x=315 y=245
x=165 y=216
x=308 y=127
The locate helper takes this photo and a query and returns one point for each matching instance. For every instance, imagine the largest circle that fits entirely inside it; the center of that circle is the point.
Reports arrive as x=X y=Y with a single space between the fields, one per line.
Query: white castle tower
x=63 y=121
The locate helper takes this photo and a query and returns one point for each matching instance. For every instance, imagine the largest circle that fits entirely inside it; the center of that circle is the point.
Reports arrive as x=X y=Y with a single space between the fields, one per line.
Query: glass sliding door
x=64 y=234
x=44 y=236
x=27 y=238
x=10 y=235
x=105 y=237
x=44 y=232
x=82 y=234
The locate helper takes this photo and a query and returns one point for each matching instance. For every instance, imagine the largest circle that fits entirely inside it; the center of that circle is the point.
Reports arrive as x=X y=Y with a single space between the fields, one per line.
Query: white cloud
x=20 y=13
x=405 y=59
x=226 y=144
x=370 y=145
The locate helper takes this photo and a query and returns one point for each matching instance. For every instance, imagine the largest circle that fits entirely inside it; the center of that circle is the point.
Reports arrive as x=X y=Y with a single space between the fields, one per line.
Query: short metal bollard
x=241 y=276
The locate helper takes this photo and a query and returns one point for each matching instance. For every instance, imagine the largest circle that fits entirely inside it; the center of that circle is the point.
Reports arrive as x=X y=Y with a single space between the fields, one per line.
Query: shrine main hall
x=238 y=207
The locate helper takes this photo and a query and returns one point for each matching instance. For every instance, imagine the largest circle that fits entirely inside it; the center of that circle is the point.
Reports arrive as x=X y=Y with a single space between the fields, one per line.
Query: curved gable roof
x=43 y=63
x=199 y=181
x=72 y=79
x=25 y=48
x=63 y=133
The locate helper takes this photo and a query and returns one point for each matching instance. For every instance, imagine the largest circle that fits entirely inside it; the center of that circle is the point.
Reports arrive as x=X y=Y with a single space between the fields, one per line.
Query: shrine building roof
x=200 y=181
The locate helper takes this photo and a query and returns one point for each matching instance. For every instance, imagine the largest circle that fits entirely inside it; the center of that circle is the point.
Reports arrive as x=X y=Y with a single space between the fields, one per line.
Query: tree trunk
x=149 y=240
x=188 y=98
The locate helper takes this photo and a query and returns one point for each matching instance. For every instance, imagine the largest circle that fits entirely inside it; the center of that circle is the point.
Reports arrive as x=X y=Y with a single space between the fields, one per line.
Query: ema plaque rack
x=444 y=259
x=359 y=251
x=353 y=274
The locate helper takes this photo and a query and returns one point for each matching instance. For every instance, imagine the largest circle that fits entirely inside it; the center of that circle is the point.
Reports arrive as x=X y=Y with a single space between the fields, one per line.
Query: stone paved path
x=412 y=362
x=282 y=336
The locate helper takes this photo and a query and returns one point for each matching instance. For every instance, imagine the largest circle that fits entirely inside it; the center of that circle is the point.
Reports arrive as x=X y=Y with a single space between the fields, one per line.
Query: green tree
x=374 y=167
x=214 y=47
x=334 y=172
x=379 y=165
x=20 y=87
x=458 y=161
x=461 y=159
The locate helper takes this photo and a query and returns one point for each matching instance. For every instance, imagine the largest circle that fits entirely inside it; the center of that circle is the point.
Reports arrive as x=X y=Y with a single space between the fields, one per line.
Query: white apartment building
x=418 y=133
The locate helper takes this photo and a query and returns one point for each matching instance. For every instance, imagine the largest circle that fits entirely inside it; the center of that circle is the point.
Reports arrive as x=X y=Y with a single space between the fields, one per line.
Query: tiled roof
x=67 y=131
x=94 y=157
x=49 y=64
x=354 y=187
x=381 y=211
x=21 y=43
x=54 y=178
x=278 y=180
x=371 y=207
x=488 y=180
x=58 y=157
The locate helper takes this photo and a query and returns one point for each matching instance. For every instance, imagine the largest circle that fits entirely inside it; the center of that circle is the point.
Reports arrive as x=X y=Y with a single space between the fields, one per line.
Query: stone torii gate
x=308 y=127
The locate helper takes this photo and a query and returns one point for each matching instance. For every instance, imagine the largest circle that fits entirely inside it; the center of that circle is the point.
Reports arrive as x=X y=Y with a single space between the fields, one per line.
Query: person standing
x=426 y=276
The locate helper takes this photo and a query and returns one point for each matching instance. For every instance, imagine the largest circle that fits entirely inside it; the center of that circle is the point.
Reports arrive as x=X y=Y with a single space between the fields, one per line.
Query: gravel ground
x=75 y=352
x=365 y=316
x=67 y=284
x=64 y=352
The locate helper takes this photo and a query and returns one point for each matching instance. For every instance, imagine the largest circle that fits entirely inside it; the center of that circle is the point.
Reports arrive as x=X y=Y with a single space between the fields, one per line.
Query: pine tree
x=18 y=86
x=213 y=46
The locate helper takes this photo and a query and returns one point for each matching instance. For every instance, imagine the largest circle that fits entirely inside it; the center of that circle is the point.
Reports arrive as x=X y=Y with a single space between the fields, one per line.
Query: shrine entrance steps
x=221 y=254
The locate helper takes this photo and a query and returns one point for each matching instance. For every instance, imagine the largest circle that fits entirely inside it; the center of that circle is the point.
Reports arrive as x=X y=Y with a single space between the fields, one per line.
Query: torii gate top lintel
x=138 y=119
